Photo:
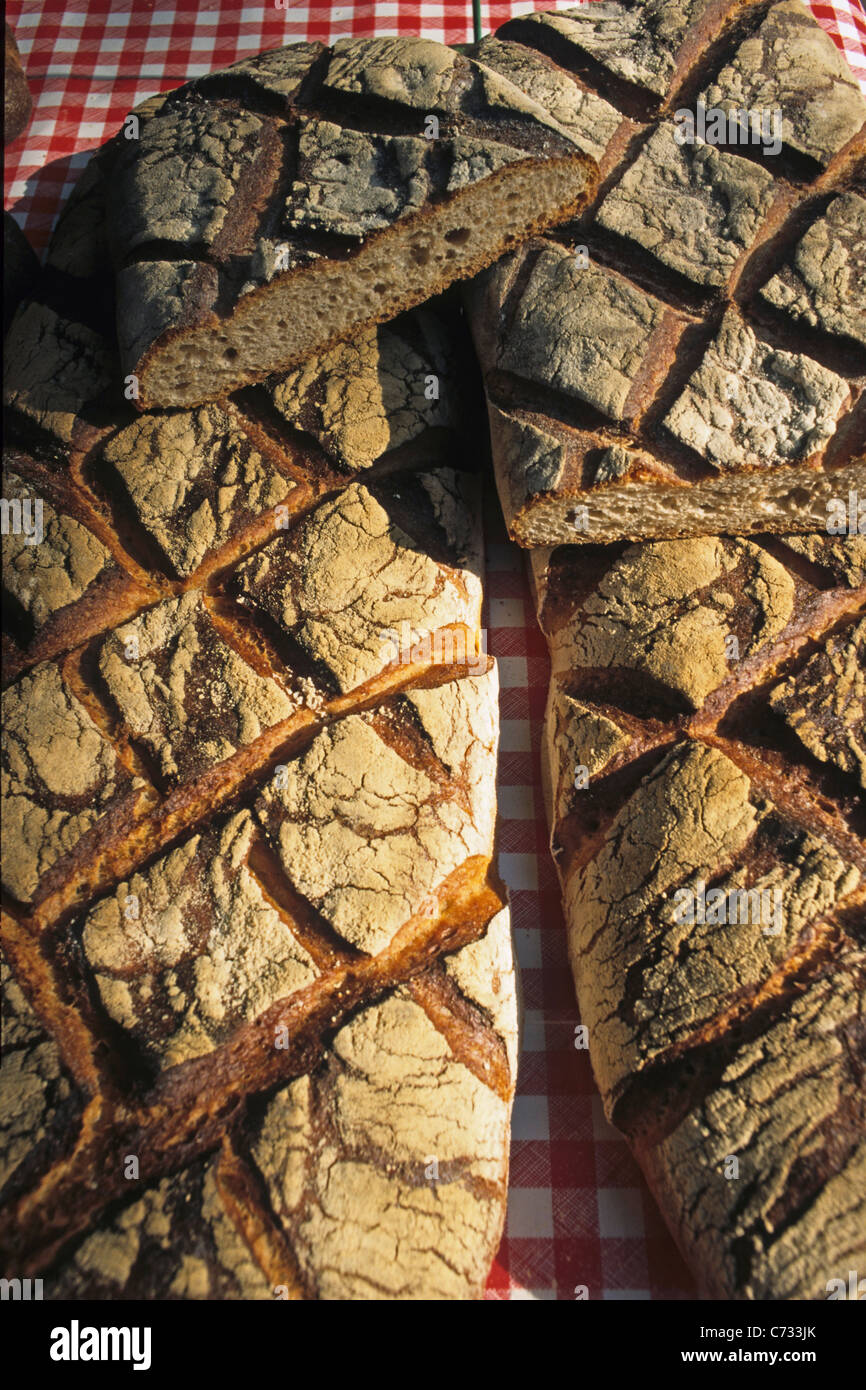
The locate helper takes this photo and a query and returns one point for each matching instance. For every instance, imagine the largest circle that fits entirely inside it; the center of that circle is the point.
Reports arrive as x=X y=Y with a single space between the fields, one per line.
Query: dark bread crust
x=268 y=212
x=705 y=371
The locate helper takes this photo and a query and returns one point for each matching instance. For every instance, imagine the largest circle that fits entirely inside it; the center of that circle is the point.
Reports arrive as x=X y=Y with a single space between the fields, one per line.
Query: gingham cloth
x=579 y=1214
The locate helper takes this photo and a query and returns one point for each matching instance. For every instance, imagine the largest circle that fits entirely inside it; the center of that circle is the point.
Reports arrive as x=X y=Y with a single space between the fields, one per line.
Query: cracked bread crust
x=639 y=45
x=194 y=479
x=826 y=705
x=776 y=1105
x=176 y=182
x=695 y=207
x=699 y=317
x=691 y=819
x=486 y=974
x=393 y=1146
x=580 y=331
x=61 y=777
x=707 y=827
x=669 y=610
x=823 y=282
x=36 y=1088
x=174 y=1241
x=590 y=120
x=199 y=920
x=54 y=367
x=366 y=836
x=352 y=184
x=61 y=576
x=183 y=691
x=348 y=578
x=373 y=394
x=793 y=64
x=751 y=406
x=846 y=561
x=185 y=952
x=45 y=578
x=278 y=73
x=53 y=603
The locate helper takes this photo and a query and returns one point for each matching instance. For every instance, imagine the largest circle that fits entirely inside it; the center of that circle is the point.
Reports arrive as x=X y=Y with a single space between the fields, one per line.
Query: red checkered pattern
x=845 y=22
x=579 y=1216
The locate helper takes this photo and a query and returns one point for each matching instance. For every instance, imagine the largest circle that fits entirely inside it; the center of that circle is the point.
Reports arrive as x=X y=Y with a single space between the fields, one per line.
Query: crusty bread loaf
x=259 y=215
x=688 y=357
x=705 y=759
x=17 y=101
x=259 y=1005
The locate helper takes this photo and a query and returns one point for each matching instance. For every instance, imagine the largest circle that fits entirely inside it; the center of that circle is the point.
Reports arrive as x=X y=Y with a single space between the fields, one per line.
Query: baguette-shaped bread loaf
x=260 y=1018
x=705 y=759
x=688 y=356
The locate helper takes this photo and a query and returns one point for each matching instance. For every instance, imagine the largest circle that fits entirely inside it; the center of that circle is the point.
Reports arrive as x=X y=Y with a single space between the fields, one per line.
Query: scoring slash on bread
x=255 y=937
x=687 y=356
x=707 y=821
x=259 y=995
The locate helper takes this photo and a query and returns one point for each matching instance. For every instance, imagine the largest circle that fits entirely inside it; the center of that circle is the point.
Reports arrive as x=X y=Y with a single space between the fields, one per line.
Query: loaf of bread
x=17 y=101
x=688 y=356
x=705 y=759
x=261 y=214
x=259 y=1004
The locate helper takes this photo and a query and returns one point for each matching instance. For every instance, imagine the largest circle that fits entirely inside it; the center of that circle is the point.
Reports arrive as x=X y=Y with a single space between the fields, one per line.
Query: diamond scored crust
x=328 y=1147
x=243 y=816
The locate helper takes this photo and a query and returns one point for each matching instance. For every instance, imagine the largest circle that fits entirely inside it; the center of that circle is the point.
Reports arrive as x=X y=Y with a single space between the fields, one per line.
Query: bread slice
x=259 y=215
x=704 y=770
x=259 y=1005
x=687 y=357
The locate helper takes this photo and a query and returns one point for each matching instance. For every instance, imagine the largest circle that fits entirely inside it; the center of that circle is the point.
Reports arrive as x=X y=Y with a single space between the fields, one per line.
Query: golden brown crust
x=394 y=1141
x=65 y=578
x=786 y=1108
x=61 y=777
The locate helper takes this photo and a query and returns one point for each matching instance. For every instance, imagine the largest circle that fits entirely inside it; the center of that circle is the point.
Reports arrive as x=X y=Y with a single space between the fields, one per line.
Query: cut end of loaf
x=309 y=309
x=782 y=500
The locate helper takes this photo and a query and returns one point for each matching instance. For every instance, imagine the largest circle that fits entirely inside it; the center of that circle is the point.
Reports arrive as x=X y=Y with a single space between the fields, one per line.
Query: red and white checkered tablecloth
x=579 y=1212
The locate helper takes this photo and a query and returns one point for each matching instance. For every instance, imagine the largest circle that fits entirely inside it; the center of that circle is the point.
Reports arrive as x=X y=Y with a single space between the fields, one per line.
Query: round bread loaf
x=689 y=355
x=263 y=213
